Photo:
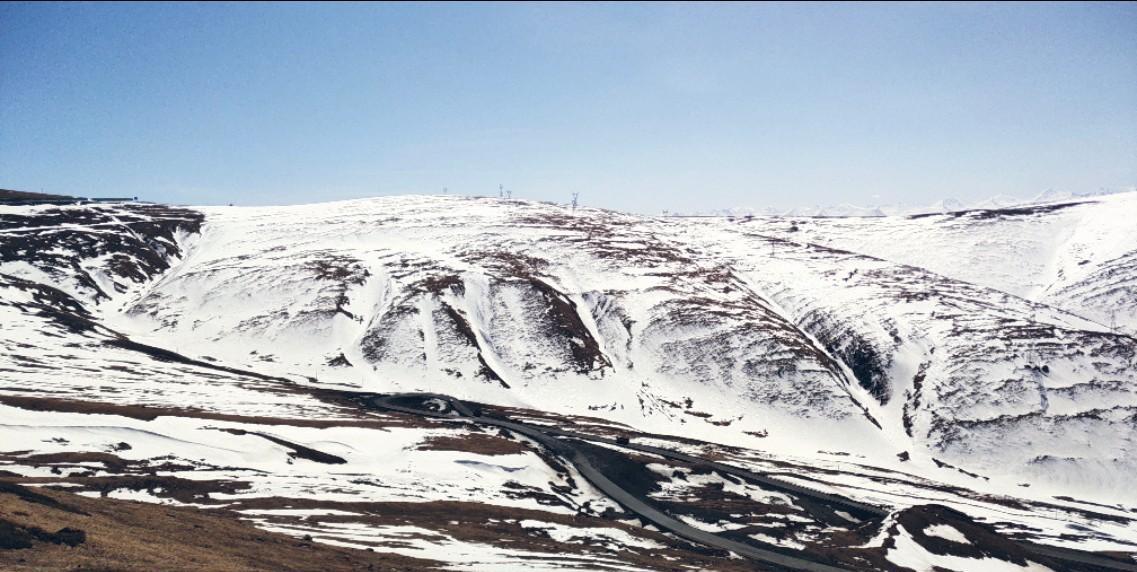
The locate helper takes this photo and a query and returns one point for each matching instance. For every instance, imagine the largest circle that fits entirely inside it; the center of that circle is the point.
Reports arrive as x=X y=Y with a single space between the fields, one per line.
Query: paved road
x=452 y=408
x=627 y=500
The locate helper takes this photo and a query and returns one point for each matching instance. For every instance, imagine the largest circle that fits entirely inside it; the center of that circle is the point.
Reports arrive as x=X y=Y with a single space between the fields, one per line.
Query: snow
x=425 y=543
x=946 y=532
x=387 y=456
x=908 y=554
x=1060 y=258
x=299 y=512
x=981 y=402
x=619 y=539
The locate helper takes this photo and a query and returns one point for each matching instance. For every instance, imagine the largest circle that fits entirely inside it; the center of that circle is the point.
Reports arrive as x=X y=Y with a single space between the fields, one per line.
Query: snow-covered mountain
x=979 y=359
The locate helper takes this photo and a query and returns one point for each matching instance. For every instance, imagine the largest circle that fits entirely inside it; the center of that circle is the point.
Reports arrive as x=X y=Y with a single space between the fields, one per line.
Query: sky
x=636 y=107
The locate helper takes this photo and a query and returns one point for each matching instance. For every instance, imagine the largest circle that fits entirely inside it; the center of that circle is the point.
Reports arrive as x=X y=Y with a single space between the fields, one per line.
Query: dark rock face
x=16 y=537
x=982 y=541
x=51 y=303
x=867 y=368
x=565 y=323
x=25 y=197
x=868 y=362
x=131 y=243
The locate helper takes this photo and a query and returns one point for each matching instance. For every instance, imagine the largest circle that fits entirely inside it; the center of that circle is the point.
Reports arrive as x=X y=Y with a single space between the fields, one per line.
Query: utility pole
x=575 y=196
x=509 y=194
x=500 y=191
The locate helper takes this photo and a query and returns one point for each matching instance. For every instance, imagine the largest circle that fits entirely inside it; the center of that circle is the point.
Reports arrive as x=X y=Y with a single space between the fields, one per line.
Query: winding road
x=447 y=407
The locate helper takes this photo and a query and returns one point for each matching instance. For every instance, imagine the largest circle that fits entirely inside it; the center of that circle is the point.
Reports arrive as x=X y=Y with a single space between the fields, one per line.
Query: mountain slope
x=516 y=301
x=223 y=345
x=1076 y=255
x=984 y=379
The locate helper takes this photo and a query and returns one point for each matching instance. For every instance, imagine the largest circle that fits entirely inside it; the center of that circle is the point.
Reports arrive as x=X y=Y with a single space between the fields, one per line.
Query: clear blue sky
x=638 y=107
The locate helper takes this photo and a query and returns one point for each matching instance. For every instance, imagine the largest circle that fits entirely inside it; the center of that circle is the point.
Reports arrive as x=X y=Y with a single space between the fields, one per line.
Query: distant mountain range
x=898 y=209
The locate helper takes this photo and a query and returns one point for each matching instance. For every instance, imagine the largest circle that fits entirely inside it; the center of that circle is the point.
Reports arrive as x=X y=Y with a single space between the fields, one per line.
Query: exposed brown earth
x=501 y=526
x=480 y=443
x=55 y=530
x=113 y=535
x=149 y=413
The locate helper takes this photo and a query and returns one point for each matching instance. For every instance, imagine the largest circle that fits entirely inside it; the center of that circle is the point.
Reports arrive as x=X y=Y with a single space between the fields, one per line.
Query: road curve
x=627 y=500
x=457 y=409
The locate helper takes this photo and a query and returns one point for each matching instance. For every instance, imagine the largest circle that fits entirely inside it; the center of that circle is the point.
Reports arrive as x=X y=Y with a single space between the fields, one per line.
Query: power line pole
x=500 y=191
x=575 y=196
